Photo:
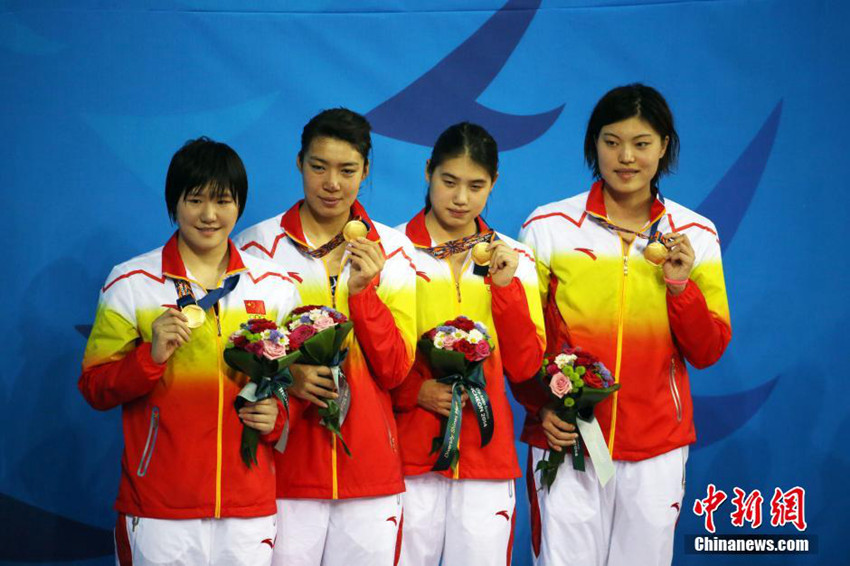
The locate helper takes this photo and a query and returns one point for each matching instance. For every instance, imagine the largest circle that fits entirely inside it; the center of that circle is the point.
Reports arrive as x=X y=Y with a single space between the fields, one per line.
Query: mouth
x=626 y=174
x=207 y=230
x=455 y=213
x=330 y=202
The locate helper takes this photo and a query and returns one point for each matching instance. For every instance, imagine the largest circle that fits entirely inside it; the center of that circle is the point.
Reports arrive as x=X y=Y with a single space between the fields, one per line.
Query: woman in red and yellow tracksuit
x=464 y=516
x=334 y=508
x=186 y=496
x=643 y=321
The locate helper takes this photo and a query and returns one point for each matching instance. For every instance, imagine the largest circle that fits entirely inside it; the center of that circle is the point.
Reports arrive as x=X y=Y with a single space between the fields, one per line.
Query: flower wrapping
x=455 y=352
x=577 y=381
x=318 y=333
x=259 y=349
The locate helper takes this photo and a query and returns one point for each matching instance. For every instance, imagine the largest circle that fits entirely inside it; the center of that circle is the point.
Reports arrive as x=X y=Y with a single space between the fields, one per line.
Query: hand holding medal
x=367 y=257
x=503 y=261
x=169 y=331
x=679 y=262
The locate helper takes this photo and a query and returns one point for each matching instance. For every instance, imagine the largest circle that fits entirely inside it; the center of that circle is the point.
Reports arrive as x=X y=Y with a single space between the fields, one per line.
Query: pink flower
x=560 y=385
x=448 y=342
x=273 y=350
x=482 y=350
x=323 y=322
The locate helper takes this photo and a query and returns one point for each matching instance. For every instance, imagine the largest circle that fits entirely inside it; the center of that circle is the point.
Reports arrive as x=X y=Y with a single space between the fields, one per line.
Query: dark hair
x=467 y=139
x=342 y=124
x=203 y=163
x=630 y=101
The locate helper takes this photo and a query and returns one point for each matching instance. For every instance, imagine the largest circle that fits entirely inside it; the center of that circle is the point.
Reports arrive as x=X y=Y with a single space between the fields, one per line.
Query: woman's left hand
x=503 y=263
x=367 y=261
x=260 y=416
x=680 y=260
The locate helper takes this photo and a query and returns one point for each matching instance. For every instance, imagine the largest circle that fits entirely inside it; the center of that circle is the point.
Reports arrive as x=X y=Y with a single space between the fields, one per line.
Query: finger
x=313 y=399
x=322 y=392
x=561 y=424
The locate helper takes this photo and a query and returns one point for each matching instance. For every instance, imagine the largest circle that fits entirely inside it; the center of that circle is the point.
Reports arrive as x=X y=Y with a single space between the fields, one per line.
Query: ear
x=664 y=144
x=365 y=171
x=427 y=174
x=495 y=178
x=298 y=163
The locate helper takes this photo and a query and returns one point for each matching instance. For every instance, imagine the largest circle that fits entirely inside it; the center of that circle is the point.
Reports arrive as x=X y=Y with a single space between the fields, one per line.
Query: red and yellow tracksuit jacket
x=512 y=315
x=182 y=435
x=381 y=350
x=601 y=295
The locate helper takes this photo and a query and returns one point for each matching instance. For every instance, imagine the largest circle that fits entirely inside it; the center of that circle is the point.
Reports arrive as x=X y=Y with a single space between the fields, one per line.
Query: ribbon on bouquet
x=591 y=433
x=269 y=386
x=474 y=385
x=333 y=416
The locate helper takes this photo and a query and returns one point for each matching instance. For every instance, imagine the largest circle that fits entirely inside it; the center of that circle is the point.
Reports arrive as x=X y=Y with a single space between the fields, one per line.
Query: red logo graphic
x=255 y=307
x=709 y=505
x=393 y=520
x=747 y=509
x=788 y=507
x=268 y=541
x=505 y=515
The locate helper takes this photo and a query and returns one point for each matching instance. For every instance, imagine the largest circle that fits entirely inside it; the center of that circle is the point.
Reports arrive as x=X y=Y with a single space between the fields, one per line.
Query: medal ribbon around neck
x=452 y=247
x=328 y=246
x=186 y=297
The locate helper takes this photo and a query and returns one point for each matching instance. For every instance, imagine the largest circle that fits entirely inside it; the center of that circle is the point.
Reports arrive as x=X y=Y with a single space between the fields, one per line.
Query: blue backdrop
x=97 y=94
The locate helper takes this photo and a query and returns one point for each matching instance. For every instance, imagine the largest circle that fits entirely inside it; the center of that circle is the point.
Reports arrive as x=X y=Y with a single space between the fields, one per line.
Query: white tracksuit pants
x=466 y=522
x=629 y=522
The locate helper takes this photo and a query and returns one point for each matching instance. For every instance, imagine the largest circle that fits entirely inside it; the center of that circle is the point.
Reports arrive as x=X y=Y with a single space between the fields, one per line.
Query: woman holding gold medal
x=186 y=496
x=334 y=508
x=463 y=514
x=636 y=280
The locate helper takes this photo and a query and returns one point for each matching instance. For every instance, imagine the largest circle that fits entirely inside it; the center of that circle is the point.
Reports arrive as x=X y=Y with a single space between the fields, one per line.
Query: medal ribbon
x=474 y=385
x=444 y=250
x=653 y=230
x=328 y=246
x=185 y=296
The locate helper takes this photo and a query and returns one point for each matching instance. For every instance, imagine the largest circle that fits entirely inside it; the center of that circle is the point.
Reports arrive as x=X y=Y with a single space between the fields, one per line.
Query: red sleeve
x=521 y=347
x=111 y=384
x=405 y=397
x=380 y=339
x=701 y=335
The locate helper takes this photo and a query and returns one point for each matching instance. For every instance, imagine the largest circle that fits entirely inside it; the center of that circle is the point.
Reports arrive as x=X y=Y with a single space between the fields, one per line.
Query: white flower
x=475 y=336
x=438 y=342
x=315 y=314
x=563 y=360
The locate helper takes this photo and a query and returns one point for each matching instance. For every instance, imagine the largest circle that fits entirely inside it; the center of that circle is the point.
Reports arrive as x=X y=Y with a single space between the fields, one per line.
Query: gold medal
x=195 y=314
x=655 y=253
x=481 y=254
x=354 y=229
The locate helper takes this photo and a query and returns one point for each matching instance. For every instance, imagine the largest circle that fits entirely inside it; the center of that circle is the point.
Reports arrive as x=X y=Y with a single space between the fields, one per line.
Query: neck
x=442 y=234
x=206 y=266
x=321 y=229
x=629 y=207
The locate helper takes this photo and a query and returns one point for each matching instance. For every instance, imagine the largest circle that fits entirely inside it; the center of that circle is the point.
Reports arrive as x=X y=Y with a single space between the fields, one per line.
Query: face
x=629 y=152
x=331 y=172
x=458 y=189
x=205 y=223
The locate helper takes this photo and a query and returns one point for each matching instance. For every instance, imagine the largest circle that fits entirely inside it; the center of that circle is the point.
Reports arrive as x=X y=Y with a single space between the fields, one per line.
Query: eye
x=317 y=168
x=449 y=183
x=642 y=144
x=193 y=200
x=476 y=188
x=348 y=172
x=610 y=143
x=225 y=201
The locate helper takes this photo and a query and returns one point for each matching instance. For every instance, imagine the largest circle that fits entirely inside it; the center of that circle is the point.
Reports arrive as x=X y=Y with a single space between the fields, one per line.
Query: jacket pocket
x=674 y=390
x=145 y=461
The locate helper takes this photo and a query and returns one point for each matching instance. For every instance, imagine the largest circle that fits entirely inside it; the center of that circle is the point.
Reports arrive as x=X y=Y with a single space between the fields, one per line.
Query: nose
x=332 y=181
x=208 y=212
x=461 y=196
x=626 y=154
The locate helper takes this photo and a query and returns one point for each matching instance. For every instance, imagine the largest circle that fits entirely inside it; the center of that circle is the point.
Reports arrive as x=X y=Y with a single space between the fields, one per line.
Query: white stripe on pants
x=630 y=522
x=187 y=542
x=467 y=522
x=343 y=532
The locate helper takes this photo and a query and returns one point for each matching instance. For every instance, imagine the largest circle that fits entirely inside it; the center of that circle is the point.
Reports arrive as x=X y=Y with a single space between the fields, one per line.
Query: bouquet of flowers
x=455 y=351
x=259 y=349
x=318 y=333
x=577 y=381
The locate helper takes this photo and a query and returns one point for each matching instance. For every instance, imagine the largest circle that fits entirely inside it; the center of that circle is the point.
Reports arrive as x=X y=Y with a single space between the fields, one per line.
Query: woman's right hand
x=559 y=433
x=169 y=331
x=437 y=397
x=312 y=383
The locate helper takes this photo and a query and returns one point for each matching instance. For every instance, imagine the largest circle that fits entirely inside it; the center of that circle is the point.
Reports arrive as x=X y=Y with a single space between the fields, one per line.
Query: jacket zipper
x=220 y=425
x=625 y=246
x=332 y=294
x=674 y=390
x=459 y=299
x=149 y=444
